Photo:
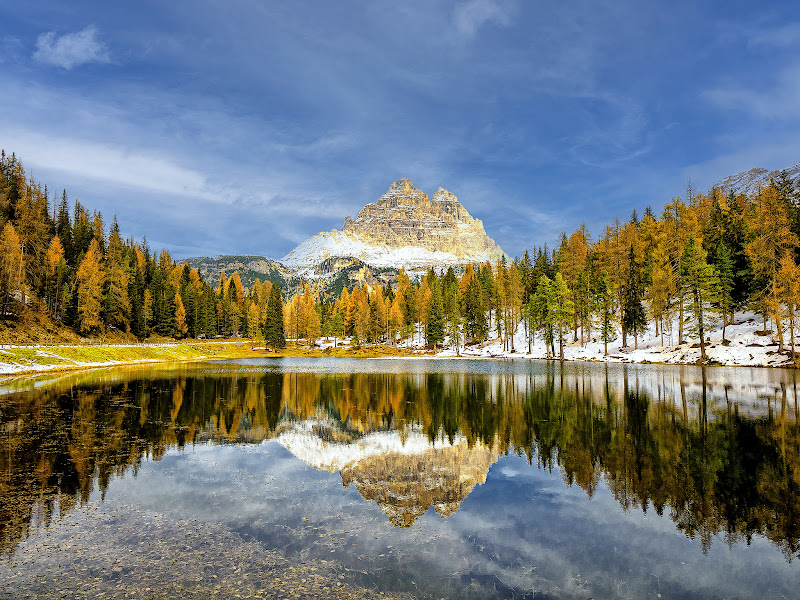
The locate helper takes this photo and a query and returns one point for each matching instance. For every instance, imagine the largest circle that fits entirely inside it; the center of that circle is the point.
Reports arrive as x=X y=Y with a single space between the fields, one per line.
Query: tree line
x=683 y=271
x=66 y=267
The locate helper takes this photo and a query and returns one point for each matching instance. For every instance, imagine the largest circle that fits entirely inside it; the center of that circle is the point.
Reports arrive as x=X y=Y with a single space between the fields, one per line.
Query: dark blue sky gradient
x=245 y=127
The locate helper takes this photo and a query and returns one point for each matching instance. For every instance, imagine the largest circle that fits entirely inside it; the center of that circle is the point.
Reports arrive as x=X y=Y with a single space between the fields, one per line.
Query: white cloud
x=778 y=101
x=71 y=49
x=780 y=37
x=103 y=162
x=473 y=14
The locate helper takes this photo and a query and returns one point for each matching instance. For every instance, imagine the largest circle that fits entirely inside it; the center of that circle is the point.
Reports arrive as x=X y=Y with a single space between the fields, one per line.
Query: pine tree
x=313 y=327
x=434 y=328
x=453 y=329
x=633 y=315
x=64 y=226
x=604 y=298
x=475 y=326
x=773 y=236
x=116 y=300
x=699 y=284
x=723 y=264
x=662 y=289
x=56 y=274
x=274 y=335
x=562 y=310
x=543 y=301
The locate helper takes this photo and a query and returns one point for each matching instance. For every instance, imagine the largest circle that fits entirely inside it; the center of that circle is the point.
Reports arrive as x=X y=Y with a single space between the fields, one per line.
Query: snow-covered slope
x=401 y=471
x=404 y=228
x=750 y=182
x=302 y=441
x=329 y=244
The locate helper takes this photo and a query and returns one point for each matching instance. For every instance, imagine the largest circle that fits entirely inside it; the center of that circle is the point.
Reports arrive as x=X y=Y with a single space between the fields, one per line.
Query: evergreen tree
x=116 y=299
x=787 y=293
x=604 y=299
x=723 y=264
x=274 y=335
x=475 y=326
x=543 y=302
x=561 y=309
x=435 y=326
x=634 y=318
x=699 y=283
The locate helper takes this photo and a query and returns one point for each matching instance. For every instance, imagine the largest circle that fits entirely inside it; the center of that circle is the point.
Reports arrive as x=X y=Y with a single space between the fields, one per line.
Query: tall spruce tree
x=699 y=284
x=435 y=326
x=273 y=326
x=634 y=318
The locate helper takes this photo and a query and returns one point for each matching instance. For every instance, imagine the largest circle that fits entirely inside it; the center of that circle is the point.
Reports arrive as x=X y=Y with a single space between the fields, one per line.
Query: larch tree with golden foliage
x=773 y=237
x=90 y=277
x=786 y=291
x=11 y=275
x=181 y=328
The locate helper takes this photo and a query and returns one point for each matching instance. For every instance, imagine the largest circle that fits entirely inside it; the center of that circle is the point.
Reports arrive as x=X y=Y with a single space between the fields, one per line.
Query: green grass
x=33 y=359
x=69 y=356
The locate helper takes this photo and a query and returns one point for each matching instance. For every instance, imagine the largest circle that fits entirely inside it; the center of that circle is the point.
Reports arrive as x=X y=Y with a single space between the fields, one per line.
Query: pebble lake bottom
x=445 y=479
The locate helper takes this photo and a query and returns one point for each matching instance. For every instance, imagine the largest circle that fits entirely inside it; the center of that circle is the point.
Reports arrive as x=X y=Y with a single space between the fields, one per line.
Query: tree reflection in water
x=717 y=459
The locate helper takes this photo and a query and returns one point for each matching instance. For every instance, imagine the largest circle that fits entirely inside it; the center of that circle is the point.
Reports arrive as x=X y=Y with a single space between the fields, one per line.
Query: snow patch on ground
x=746 y=347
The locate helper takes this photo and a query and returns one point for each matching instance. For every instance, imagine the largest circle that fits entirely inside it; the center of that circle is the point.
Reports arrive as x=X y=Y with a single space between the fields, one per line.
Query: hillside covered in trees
x=694 y=264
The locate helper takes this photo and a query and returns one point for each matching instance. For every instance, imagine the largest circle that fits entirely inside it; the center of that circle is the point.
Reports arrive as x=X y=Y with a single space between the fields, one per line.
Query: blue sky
x=244 y=127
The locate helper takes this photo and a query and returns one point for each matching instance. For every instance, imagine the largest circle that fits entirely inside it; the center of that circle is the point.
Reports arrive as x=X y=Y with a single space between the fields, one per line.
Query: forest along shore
x=746 y=343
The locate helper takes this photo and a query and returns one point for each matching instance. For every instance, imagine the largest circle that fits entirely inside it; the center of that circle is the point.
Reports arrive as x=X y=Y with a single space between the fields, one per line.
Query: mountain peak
x=403 y=228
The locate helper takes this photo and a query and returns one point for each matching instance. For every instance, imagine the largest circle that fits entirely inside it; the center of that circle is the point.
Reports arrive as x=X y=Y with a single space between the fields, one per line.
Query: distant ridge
x=750 y=182
x=249 y=268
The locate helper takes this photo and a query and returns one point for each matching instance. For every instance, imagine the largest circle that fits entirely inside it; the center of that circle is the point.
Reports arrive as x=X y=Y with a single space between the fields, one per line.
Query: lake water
x=403 y=478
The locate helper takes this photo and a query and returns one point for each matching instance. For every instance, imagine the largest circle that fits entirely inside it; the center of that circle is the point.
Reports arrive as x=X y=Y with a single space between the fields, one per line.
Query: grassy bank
x=18 y=360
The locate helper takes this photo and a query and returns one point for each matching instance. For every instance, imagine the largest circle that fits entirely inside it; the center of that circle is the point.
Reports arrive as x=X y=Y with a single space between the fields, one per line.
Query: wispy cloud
x=71 y=49
x=778 y=101
x=472 y=15
x=783 y=36
x=10 y=47
x=105 y=162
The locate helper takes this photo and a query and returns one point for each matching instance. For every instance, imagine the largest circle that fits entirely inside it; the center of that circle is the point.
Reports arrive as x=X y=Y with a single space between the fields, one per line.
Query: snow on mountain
x=302 y=441
x=750 y=182
x=330 y=244
x=404 y=228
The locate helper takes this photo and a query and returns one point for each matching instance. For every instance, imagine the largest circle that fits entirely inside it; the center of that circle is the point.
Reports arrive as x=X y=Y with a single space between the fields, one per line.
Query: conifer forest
x=688 y=266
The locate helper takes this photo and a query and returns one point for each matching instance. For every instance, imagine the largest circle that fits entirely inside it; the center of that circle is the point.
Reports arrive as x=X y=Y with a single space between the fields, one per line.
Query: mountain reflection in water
x=717 y=451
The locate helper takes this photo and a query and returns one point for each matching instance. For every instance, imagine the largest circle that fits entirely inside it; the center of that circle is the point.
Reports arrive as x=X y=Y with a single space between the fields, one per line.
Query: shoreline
x=745 y=345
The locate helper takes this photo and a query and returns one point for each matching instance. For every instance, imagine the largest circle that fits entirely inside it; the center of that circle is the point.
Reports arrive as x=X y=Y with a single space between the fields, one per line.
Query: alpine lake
x=348 y=478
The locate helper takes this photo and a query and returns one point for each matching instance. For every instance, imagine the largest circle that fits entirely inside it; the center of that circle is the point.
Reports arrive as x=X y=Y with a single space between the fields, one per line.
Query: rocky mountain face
x=406 y=486
x=405 y=216
x=404 y=228
x=402 y=472
x=750 y=182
